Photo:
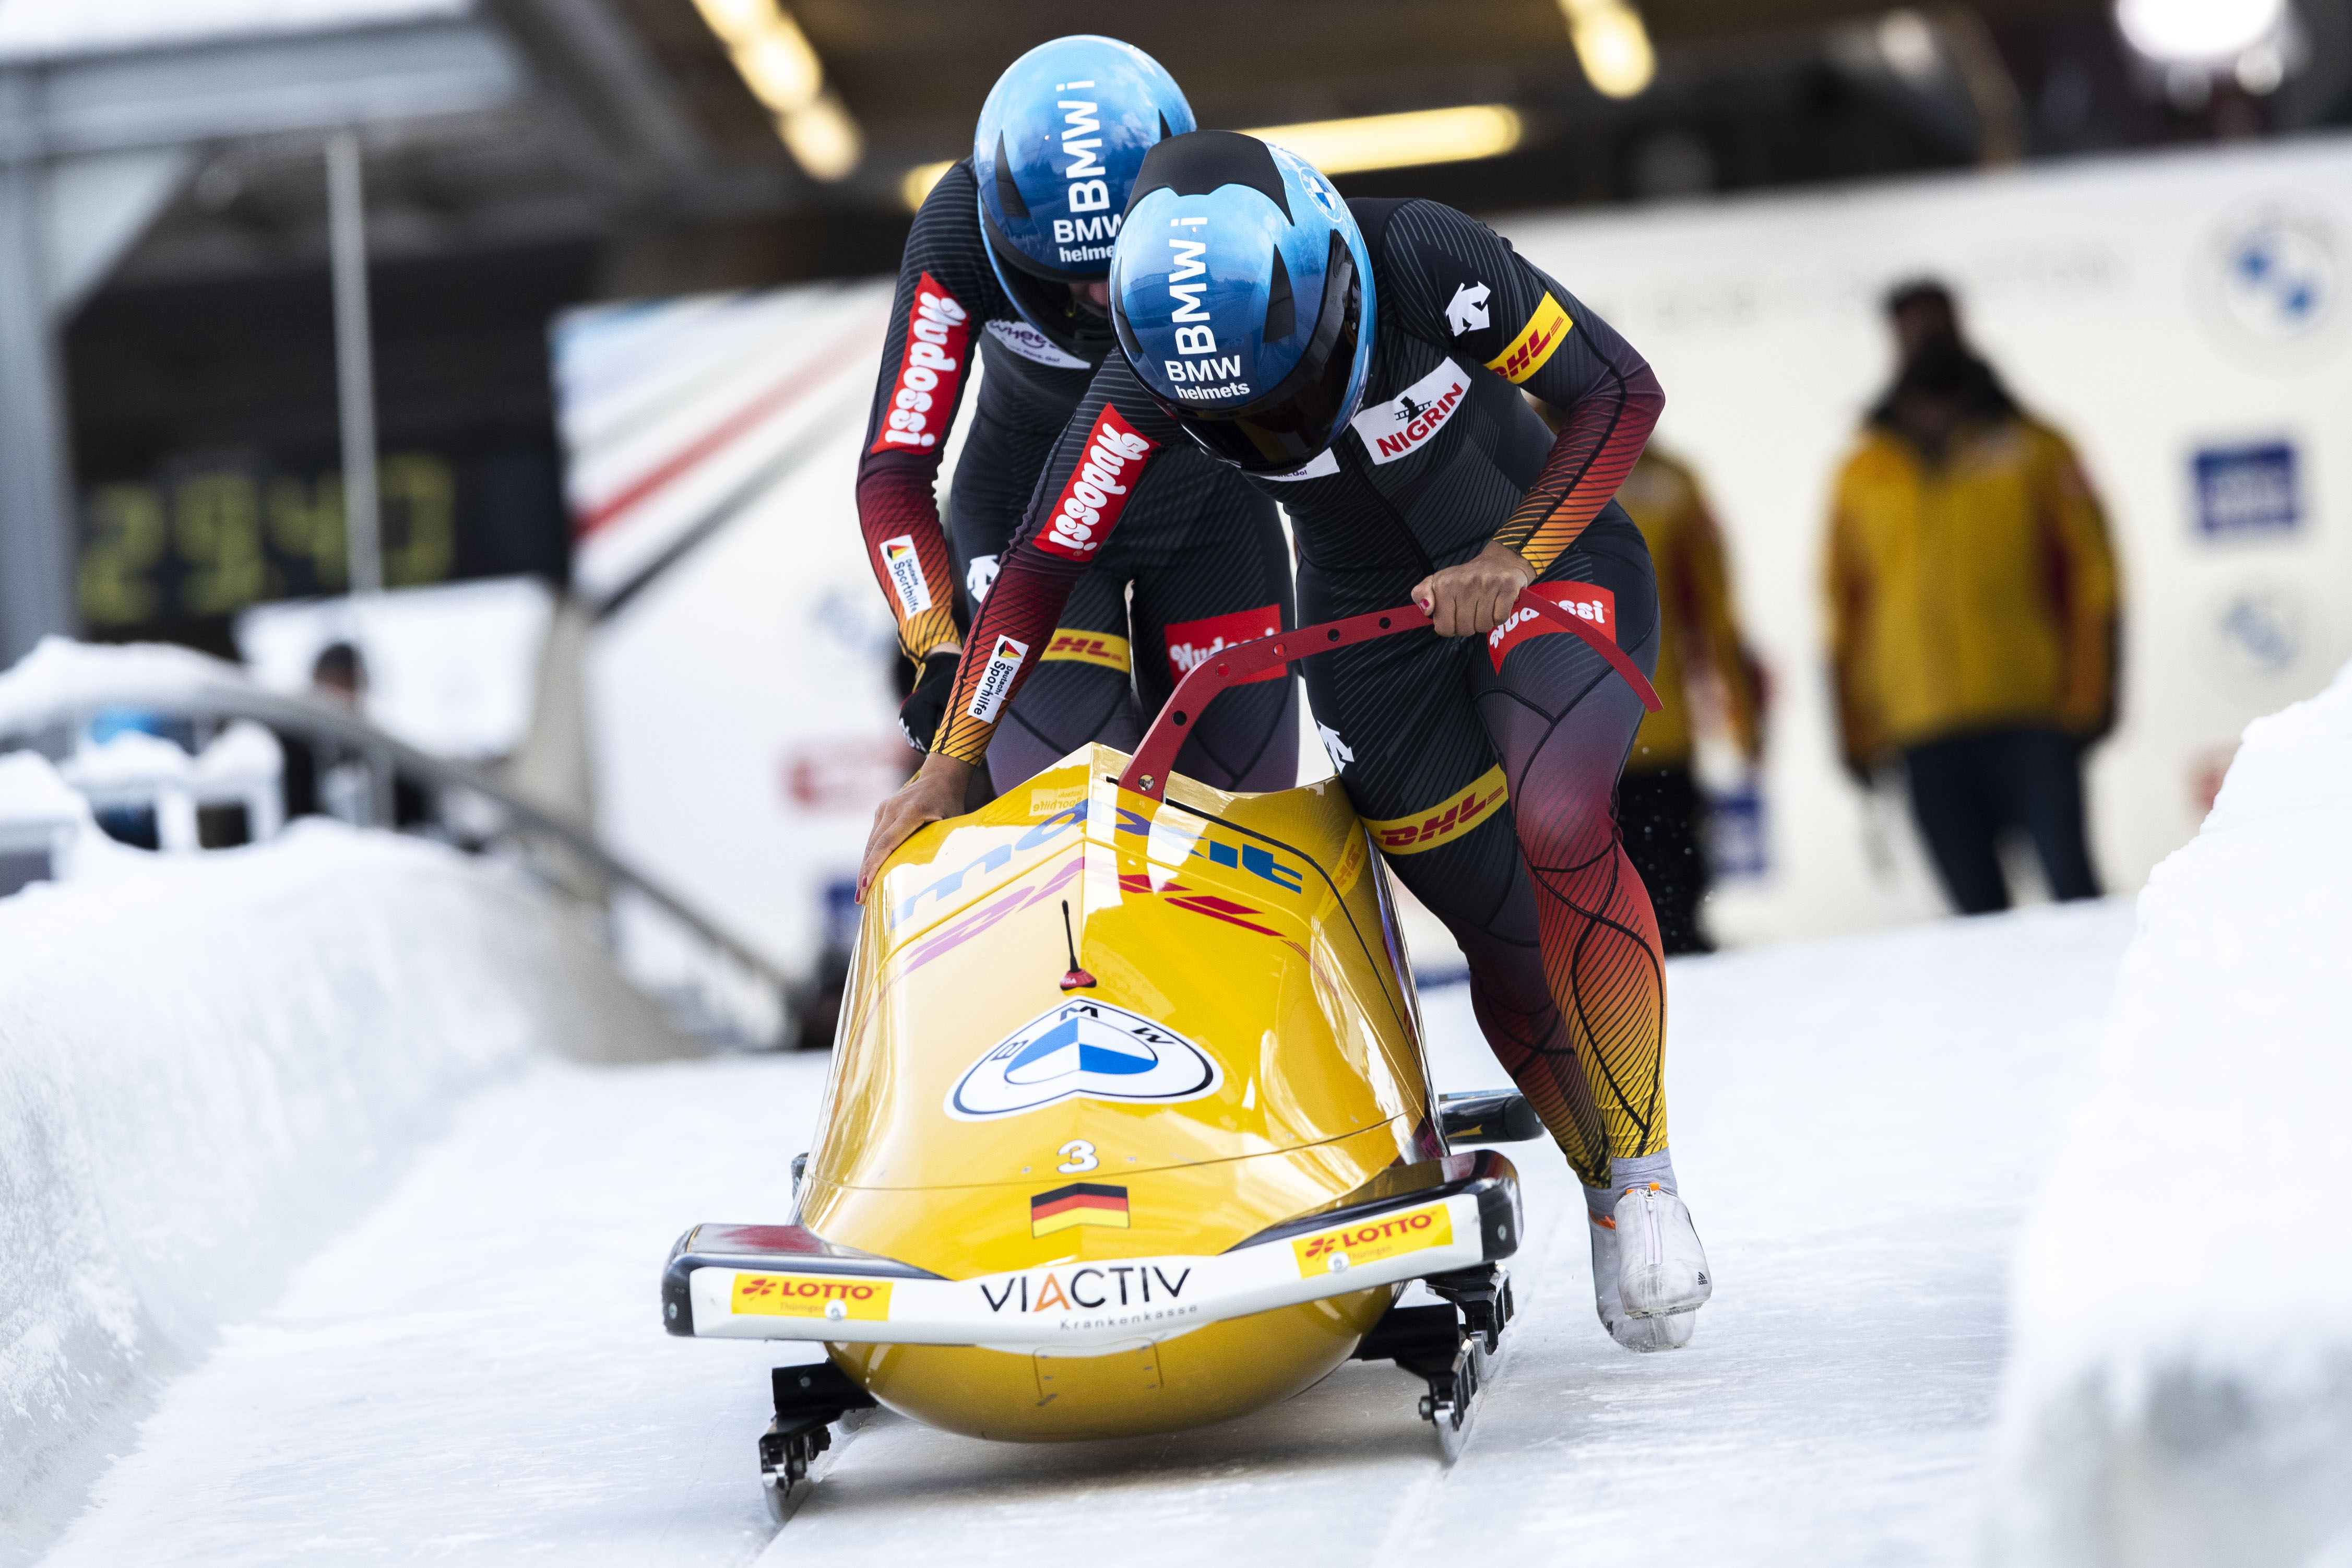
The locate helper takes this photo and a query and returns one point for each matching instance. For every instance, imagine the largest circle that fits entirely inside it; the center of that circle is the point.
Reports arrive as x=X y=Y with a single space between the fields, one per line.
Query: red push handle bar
x=1156 y=758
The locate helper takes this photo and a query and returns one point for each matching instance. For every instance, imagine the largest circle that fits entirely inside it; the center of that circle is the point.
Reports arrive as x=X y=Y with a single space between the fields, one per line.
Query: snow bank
x=210 y=1063
x=2181 y=1383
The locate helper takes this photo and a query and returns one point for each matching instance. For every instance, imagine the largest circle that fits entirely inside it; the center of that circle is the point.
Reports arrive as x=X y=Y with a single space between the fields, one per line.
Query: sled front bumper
x=782 y=1282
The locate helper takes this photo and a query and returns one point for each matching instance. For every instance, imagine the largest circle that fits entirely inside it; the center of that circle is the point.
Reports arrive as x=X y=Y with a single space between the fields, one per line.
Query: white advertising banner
x=2180 y=317
x=742 y=719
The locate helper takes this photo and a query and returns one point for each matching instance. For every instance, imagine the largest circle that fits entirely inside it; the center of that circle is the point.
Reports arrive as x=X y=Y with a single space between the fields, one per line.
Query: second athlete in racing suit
x=1484 y=765
x=1201 y=562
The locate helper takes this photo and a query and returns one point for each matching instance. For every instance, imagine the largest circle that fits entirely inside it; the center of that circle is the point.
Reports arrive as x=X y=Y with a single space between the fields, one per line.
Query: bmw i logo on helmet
x=1055 y=152
x=1242 y=292
x=1082 y=1050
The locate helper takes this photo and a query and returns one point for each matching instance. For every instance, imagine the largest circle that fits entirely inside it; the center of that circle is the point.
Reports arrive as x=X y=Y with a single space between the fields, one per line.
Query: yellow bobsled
x=1129 y=1127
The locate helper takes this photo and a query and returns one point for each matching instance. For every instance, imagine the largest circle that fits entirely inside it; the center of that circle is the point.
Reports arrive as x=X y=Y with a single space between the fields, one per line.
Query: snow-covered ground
x=209 y=1066
x=2181 y=1387
x=476 y=1371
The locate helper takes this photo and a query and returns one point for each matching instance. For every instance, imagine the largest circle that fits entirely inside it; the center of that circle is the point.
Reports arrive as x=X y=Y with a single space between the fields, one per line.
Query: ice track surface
x=475 y=1373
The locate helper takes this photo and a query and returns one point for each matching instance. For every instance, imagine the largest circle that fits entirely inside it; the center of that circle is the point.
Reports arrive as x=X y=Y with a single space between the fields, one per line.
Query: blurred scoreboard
x=178 y=553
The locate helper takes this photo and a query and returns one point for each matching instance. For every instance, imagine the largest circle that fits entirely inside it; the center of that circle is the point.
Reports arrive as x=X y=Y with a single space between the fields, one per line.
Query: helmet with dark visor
x=1301 y=417
x=1262 y=374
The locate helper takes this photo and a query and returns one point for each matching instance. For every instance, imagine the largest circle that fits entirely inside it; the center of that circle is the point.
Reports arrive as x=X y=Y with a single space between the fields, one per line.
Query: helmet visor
x=1290 y=425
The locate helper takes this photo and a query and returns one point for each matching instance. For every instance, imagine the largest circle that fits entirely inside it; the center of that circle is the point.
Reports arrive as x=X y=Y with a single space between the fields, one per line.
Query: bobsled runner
x=1129 y=1126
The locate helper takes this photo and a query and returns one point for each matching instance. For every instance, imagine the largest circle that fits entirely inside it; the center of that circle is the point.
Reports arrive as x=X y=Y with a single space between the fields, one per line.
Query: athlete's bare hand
x=933 y=794
x=1471 y=600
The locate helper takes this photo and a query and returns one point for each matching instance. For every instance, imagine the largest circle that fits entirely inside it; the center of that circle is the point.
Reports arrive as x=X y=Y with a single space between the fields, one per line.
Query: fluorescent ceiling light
x=2198 y=32
x=823 y=138
x=776 y=62
x=1399 y=141
x=781 y=68
x=1612 y=46
x=1346 y=146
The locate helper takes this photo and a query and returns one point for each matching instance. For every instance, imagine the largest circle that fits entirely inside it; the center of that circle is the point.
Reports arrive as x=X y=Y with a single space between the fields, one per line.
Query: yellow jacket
x=1980 y=593
x=1696 y=627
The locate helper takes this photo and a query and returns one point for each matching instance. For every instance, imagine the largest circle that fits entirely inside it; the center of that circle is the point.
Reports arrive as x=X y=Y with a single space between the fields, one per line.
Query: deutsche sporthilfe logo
x=1082 y=1050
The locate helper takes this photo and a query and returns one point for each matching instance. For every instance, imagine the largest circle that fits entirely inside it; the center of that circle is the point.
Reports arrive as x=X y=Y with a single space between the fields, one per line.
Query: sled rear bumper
x=781 y=1282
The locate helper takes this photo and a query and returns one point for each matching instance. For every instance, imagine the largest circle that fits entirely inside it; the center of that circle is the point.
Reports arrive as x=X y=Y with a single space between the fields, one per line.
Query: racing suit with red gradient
x=1201 y=564
x=1484 y=768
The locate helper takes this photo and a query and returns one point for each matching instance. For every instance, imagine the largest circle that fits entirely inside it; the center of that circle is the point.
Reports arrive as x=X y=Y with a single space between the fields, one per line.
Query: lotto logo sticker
x=1585 y=601
x=1192 y=644
x=1089 y=504
x=1535 y=342
x=928 y=371
x=797 y=1295
x=1353 y=1245
x=906 y=571
x=996 y=680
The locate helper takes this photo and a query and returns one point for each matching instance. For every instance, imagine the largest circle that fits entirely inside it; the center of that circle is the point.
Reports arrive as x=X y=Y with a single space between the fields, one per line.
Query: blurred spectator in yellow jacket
x=1973 y=606
x=1702 y=665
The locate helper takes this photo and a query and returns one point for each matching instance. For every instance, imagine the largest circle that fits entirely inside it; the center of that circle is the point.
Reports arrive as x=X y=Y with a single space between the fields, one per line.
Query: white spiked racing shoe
x=1660 y=1267
x=1656 y=1333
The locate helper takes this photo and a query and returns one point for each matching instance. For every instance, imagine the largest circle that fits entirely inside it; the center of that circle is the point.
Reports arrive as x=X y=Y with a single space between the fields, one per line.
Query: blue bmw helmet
x=1243 y=295
x=1060 y=139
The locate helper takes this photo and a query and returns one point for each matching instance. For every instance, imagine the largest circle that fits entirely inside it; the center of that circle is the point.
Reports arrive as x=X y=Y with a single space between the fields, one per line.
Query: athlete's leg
x=1563 y=721
x=1221 y=577
x=1419 y=768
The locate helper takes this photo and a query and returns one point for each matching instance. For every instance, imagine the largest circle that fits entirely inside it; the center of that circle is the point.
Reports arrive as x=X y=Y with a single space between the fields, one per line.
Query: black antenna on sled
x=1076 y=979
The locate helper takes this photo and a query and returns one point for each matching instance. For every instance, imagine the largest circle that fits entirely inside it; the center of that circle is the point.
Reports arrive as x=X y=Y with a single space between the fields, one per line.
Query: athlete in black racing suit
x=1485 y=765
x=1202 y=552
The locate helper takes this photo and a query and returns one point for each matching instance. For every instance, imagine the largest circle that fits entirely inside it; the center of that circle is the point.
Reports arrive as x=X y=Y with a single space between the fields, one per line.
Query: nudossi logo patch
x=1192 y=644
x=1403 y=426
x=1097 y=492
x=1585 y=601
x=928 y=372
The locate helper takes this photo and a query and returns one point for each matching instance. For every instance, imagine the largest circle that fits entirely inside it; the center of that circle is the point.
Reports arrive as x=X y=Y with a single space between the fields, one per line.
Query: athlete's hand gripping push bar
x=1154 y=758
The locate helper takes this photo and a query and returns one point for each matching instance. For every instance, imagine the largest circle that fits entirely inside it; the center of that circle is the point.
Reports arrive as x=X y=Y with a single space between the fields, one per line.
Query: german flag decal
x=1080 y=1203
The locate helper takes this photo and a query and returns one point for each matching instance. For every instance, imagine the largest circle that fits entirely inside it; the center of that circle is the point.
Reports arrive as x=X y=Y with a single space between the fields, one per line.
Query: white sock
x=1640 y=1172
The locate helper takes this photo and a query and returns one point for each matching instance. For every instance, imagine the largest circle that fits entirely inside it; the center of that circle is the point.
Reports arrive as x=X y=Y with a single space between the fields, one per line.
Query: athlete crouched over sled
x=1007 y=259
x=1366 y=363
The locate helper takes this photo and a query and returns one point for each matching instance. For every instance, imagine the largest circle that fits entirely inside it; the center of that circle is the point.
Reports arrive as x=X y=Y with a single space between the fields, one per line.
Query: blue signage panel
x=2249 y=489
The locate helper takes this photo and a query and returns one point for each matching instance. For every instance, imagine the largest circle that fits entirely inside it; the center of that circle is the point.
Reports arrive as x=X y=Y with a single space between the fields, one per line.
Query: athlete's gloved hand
x=1471 y=599
x=933 y=794
x=920 y=714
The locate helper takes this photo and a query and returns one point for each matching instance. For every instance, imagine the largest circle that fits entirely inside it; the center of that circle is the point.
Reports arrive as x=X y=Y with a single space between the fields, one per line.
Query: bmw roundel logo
x=1325 y=196
x=1082 y=1050
x=2278 y=276
x=2268 y=286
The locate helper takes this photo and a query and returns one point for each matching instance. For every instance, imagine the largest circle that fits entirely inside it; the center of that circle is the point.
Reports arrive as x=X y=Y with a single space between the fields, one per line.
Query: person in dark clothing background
x=1973 y=611
x=1660 y=807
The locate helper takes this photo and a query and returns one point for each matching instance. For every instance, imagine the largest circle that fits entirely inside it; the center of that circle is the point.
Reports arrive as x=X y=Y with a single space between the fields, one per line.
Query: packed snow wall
x=210 y=1063
x=2180 y=1384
